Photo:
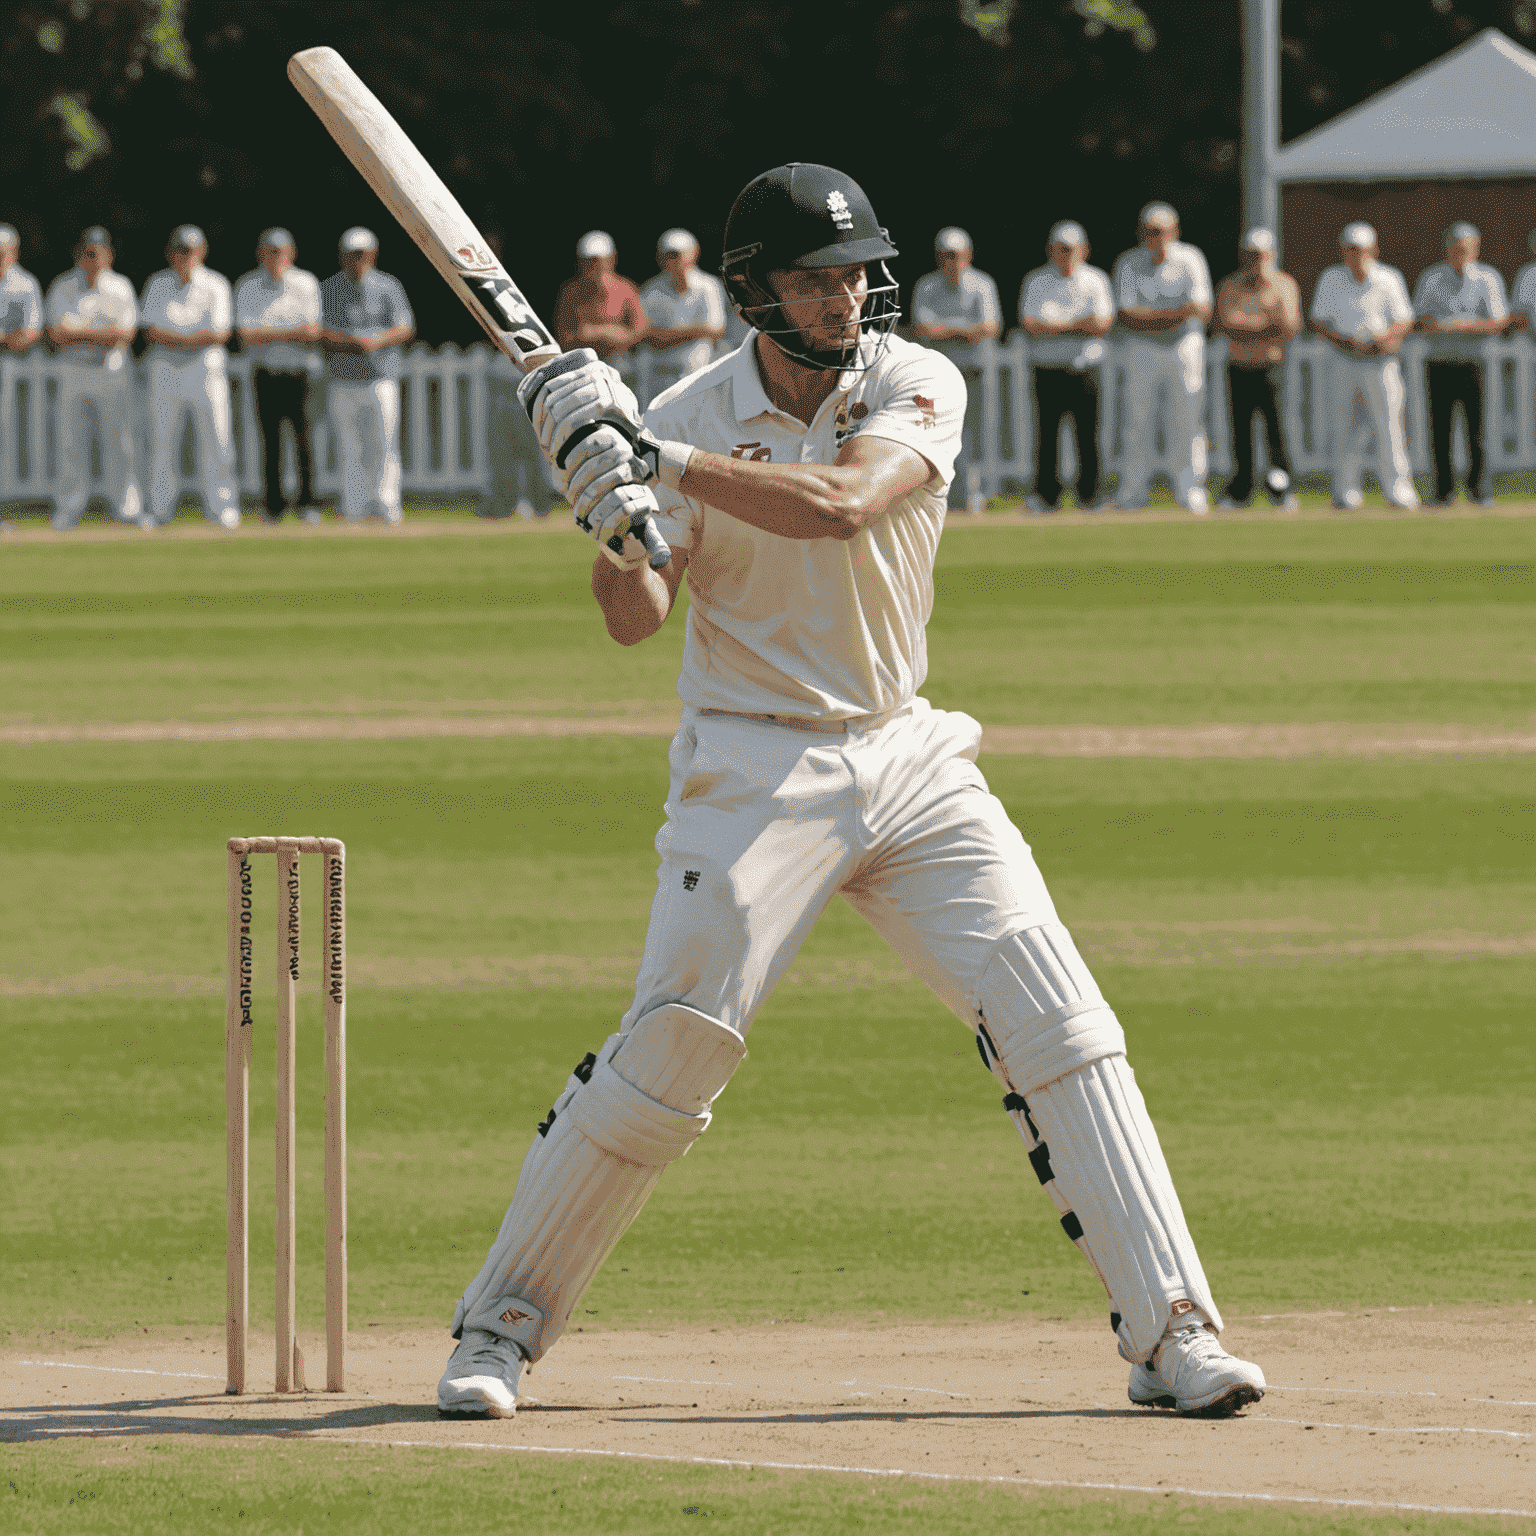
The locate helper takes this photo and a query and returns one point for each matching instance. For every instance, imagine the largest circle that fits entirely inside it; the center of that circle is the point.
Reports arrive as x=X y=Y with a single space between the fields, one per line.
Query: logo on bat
x=473 y=257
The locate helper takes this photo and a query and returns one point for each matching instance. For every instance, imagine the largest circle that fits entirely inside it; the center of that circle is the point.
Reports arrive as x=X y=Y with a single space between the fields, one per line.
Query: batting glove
x=570 y=395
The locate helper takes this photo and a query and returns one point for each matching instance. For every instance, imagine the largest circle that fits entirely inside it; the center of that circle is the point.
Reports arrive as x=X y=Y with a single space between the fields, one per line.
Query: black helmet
x=807 y=216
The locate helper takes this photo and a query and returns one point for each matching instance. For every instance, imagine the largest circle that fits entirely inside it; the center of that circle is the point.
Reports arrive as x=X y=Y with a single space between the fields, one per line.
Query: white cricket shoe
x=1191 y=1373
x=481 y=1379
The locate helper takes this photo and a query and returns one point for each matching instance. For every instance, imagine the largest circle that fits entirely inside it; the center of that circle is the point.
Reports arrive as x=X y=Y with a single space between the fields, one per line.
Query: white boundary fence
x=445 y=411
x=1008 y=427
x=462 y=432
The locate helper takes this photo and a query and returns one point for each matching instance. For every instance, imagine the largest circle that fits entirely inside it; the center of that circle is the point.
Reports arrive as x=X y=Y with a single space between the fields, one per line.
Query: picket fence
x=462 y=435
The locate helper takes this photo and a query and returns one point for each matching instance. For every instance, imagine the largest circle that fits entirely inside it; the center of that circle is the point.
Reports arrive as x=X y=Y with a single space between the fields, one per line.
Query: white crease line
x=939 y=1477
x=117 y=1370
x=1367 y=1391
x=676 y=1381
x=94 y=1429
x=884 y=1386
x=1397 y=1429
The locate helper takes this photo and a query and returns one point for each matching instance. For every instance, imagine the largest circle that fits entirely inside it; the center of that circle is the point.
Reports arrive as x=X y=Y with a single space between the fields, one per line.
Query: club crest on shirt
x=929 y=410
x=847 y=420
x=756 y=452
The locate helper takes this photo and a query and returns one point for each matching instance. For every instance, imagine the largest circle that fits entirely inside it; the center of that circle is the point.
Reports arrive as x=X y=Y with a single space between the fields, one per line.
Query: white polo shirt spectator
x=365 y=320
x=1522 y=294
x=21 y=326
x=188 y=312
x=1477 y=293
x=97 y=305
x=277 y=307
x=1163 y=274
x=953 y=310
x=1047 y=295
x=1361 y=314
x=681 y=299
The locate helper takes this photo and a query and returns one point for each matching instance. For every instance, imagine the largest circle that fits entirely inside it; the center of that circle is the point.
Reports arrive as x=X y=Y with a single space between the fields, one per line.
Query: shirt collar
x=747 y=385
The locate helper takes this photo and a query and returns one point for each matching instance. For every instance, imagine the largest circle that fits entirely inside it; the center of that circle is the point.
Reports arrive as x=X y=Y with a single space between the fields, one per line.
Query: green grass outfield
x=1323 y=965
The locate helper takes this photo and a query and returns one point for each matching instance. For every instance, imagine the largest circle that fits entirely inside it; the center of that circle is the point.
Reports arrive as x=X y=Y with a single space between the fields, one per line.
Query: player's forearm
x=263 y=336
x=1139 y=318
x=90 y=335
x=635 y=603
x=185 y=341
x=20 y=341
x=796 y=501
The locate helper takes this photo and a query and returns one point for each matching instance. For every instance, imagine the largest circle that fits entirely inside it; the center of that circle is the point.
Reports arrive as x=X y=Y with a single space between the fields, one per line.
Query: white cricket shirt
x=816 y=627
x=703 y=304
x=1523 y=295
x=21 y=303
x=205 y=303
x=1477 y=294
x=292 y=301
x=1144 y=282
x=1359 y=309
x=1047 y=295
x=72 y=302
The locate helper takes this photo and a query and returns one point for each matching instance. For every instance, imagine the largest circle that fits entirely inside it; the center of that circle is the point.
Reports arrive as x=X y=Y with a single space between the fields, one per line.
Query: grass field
x=1324 y=964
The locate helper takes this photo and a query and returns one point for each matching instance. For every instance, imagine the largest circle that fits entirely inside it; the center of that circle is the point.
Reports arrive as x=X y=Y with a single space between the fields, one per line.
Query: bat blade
x=416 y=195
x=383 y=154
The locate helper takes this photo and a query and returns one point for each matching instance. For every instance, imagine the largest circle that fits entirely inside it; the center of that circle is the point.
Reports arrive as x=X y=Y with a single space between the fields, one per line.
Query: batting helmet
x=807 y=217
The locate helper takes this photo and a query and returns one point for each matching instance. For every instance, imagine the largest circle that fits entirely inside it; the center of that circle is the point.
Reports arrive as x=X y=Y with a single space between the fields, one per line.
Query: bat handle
x=655 y=546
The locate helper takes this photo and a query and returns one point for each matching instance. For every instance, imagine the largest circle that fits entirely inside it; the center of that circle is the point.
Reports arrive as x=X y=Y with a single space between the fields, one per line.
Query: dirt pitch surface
x=1423 y=1409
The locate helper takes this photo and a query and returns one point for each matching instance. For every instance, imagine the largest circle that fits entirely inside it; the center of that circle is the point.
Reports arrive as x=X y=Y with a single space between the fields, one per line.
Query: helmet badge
x=837 y=205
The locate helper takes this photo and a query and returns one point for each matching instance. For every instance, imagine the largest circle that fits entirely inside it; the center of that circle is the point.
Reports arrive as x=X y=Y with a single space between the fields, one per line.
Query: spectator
x=1163 y=292
x=1523 y=295
x=21 y=327
x=599 y=309
x=1361 y=306
x=1067 y=308
x=277 y=312
x=1259 y=309
x=186 y=312
x=91 y=316
x=1458 y=302
x=684 y=311
x=365 y=319
x=954 y=309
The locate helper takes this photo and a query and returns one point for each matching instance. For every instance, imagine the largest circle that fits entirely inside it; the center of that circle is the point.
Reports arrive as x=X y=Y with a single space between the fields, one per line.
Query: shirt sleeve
x=1126 y=294
x=991 y=305
x=715 y=302
x=243 y=306
x=399 y=305
x=921 y=404
x=922 y=306
x=1423 y=293
x=54 y=305
x=1400 y=309
x=1322 y=301
x=1200 y=282
x=333 y=315
x=220 y=312
x=565 y=316
x=1103 y=298
x=32 y=308
x=1498 y=305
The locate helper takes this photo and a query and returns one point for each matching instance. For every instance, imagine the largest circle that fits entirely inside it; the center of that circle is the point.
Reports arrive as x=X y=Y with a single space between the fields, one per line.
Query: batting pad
x=639 y=1105
x=1109 y=1166
x=1043 y=1010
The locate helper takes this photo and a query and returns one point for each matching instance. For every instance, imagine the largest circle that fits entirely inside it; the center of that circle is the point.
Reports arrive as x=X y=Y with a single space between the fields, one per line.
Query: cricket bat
x=429 y=213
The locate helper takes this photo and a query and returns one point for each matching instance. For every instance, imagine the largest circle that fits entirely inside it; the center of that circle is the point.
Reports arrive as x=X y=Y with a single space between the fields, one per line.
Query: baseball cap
x=596 y=242
x=1461 y=230
x=274 y=237
x=1067 y=232
x=1157 y=213
x=8 y=235
x=359 y=239
x=185 y=236
x=1359 y=233
x=673 y=240
x=95 y=234
x=951 y=238
x=1258 y=239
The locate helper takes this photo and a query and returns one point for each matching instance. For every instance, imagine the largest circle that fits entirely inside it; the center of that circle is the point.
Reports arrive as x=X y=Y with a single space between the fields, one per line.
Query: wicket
x=238 y=1031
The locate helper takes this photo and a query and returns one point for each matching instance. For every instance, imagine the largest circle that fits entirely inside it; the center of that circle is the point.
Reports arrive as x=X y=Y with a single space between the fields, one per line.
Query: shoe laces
x=495 y=1350
x=1195 y=1342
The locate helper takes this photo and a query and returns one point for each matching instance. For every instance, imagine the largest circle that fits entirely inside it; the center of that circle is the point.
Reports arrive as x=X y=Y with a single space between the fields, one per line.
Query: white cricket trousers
x=767 y=823
x=109 y=390
x=195 y=388
x=1378 y=381
x=366 y=420
x=1179 y=372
